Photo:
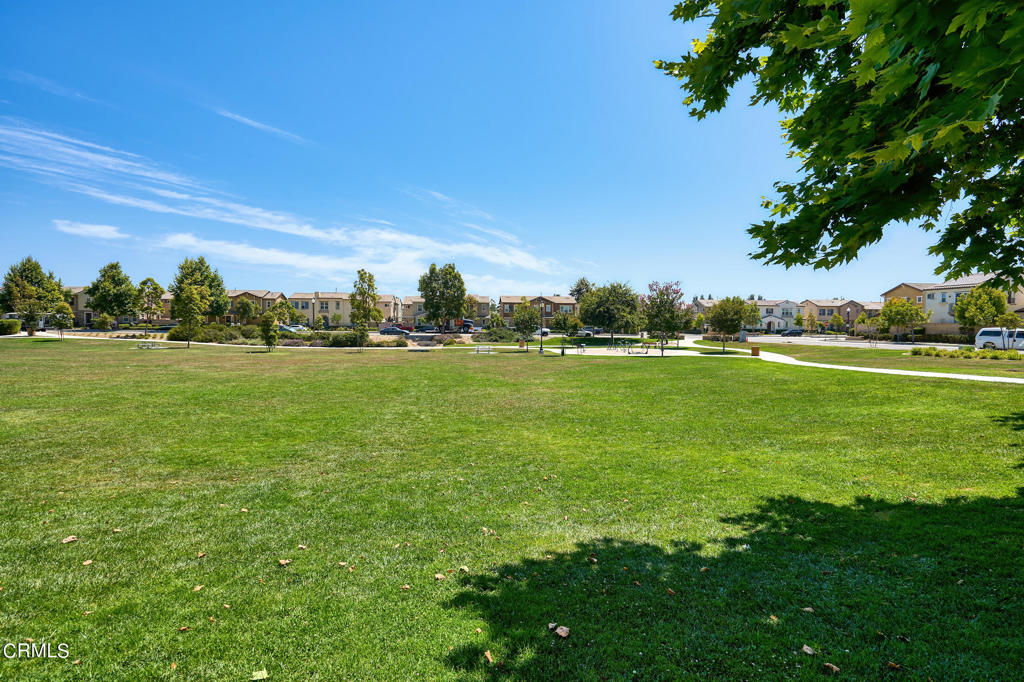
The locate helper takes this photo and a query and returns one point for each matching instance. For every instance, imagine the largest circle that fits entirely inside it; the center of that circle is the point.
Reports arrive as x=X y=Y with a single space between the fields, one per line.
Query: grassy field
x=887 y=358
x=683 y=518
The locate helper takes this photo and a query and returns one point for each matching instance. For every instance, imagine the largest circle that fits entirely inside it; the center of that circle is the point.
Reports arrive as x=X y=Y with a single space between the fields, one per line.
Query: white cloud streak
x=89 y=230
x=238 y=118
x=46 y=85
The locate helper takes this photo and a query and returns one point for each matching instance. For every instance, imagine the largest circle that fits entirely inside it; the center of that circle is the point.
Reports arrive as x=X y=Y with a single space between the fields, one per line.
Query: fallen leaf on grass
x=439 y=576
x=174 y=666
x=117 y=530
x=637 y=583
x=831 y=668
x=463 y=569
x=201 y=555
x=87 y=562
x=894 y=666
x=562 y=631
x=807 y=650
x=227 y=606
x=197 y=588
x=773 y=619
x=284 y=562
x=302 y=547
x=351 y=569
x=76 y=661
x=260 y=675
x=478 y=631
x=183 y=628
x=807 y=609
x=343 y=563
x=243 y=509
x=405 y=587
x=487 y=655
x=552 y=626
x=670 y=591
x=70 y=538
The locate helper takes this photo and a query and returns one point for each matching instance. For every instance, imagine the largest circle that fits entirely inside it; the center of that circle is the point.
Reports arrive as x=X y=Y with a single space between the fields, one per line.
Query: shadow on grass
x=935 y=589
x=1015 y=420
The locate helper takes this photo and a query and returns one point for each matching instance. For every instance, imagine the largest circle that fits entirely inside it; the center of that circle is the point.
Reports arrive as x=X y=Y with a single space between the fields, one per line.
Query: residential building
x=305 y=303
x=80 y=303
x=777 y=314
x=825 y=308
x=548 y=305
x=481 y=314
x=702 y=305
x=908 y=291
x=327 y=305
x=261 y=298
x=391 y=306
x=940 y=299
x=413 y=312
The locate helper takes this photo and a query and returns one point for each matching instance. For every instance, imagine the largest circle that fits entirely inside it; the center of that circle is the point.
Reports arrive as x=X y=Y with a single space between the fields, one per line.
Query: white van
x=1000 y=339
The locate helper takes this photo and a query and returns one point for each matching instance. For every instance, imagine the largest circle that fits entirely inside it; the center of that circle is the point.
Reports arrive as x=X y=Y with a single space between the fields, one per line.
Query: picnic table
x=149 y=345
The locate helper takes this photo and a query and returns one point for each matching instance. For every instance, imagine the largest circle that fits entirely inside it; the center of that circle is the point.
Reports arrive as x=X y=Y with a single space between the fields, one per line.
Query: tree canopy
x=979 y=307
x=613 y=306
x=895 y=111
x=112 y=292
x=581 y=288
x=901 y=314
x=664 y=312
x=726 y=316
x=198 y=273
x=444 y=294
x=364 y=300
x=526 y=320
x=26 y=280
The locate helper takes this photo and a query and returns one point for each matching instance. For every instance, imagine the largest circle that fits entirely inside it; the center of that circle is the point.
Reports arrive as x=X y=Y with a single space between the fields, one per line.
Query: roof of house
x=303 y=295
x=965 y=282
x=385 y=298
x=871 y=305
x=510 y=298
x=920 y=286
x=332 y=295
x=167 y=296
x=480 y=298
x=706 y=302
x=258 y=293
x=828 y=302
x=409 y=300
x=75 y=290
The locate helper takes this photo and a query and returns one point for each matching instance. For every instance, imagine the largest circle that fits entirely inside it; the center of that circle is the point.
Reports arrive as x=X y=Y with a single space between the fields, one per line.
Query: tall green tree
x=836 y=321
x=526 y=320
x=268 y=330
x=444 y=294
x=900 y=314
x=150 y=305
x=726 y=316
x=567 y=325
x=581 y=288
x=895 y=111
x=286 y=312
x=62 y=317
x=112 y=292
x=798 y=321
x=198 y=273
x=245 y=310
x=751 y=314
x=664 y=312
x=811 y=322
x=1008 y=323
x=979 y=307
x=26 y=280
x=613 y=306
x=193 y=304
x=364 y=300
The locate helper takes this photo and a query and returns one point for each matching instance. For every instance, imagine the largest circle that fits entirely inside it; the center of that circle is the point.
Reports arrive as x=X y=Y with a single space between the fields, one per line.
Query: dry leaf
x=183 y=628
x=87 y=562
x=197 y=588
x=405 y=587
x=463 y=569
x=439 y=576
x=70 y=538
x=260 y=675
x=703 y=569
x=343 y=563
x=562 y=631
x=174 y=666
x=227 y=606
x=773 y=618
x=86 y=613
x=487 y=655
x=807 y=609
x=117 y=530
x=894 y=666
x=351 y=569
x=202 y=554
x=29 y=640
x=552 y=626
x=302 y=547
x=284 y=562
x=637 y=583
x=670 y=591
x=831 y=668
x=478 y=631
x=244 y=509
x=807 y=650
x=212 y=620
x=76 y=661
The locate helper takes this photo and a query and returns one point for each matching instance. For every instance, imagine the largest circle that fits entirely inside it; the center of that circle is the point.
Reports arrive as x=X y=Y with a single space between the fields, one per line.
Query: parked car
x=543 y=331
x=1000 y=339
x=283 y=328
x=298 y=328
x=393 y=331
x=793 y=332
x=584 y=332
x=406 y=327
x=426 y=328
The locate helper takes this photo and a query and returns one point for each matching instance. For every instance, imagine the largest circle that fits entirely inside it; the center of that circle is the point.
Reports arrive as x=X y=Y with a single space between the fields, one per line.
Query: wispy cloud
x=125 y=179
x=454 y=207
x=90 y=230
x=261 y=126
x=46 y=85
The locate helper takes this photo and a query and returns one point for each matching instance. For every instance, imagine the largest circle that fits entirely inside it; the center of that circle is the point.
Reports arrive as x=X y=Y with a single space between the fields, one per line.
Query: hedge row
x=8 y=327
x=968 y=353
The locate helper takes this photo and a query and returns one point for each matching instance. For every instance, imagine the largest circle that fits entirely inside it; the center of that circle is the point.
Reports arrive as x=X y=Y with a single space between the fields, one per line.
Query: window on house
x=508 y=307
x=419 y=308
x=305 y=305
x=547 y=308
x=918 y=299
x=323 y=306
x=931 y=297
x=769 y=311
x=1009 y=299
x=820 y=312
x=295 y=304
x=566 y=308
x=943 y=297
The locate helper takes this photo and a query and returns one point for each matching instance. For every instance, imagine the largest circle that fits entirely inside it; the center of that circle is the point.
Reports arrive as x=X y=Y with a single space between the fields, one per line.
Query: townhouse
x=261 y=298
x=908 y=291
x=824 y=308
x=412 y=312
x=548 y=306
x=940 y=300
x=778 y=314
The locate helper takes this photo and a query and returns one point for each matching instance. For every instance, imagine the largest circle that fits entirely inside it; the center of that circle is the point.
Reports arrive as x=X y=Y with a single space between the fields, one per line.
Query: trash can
x=755 y=351
x=522 y=344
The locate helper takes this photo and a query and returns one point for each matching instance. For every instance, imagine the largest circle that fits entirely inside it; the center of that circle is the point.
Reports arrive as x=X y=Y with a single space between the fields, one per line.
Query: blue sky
x=291 y=144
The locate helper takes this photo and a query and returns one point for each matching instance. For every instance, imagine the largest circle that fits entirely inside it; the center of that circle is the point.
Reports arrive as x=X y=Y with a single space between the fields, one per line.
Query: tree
x=1008 y=323
x=317 y=324
x=495 y=320
x=979 y=307
x=193 y=304
x=112 y=292
x=811 y=322
x=149 y=303
x=699 y=322
x=336 y=319
x=198 y=273
x=751 y=314
x=726 y=316
x=567 y=325
x=103 y=322
x=901 y=313
x=62 y=317
x=30 y=310
x=526 y=320
x=364 y=300
x=896 y=110
x=836 y=321
x=861 y=321
x=286 y=312
x=663 y=309
x=245 y=309
x=444 y=294
x=581 y=288
x=798 y=321
x=268 y=330
x=613 y=306
x=26 y=280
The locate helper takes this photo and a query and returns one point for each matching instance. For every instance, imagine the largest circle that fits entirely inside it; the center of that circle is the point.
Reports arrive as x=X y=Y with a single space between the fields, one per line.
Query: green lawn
x=882 y=357
x=681 y=517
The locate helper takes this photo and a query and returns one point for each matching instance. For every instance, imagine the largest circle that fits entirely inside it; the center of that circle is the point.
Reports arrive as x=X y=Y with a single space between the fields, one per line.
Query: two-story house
x=824 y=308
x=261 y=298
x=548 y=306
x=777 y=314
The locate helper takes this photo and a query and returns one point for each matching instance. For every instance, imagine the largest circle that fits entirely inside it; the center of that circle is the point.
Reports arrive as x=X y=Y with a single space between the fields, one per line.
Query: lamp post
x=847 y=318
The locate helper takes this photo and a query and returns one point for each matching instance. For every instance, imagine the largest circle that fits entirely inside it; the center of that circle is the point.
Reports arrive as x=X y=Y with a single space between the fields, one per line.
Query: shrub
x=400 y=342
x=292 y=342
x=103 y=321
x=495 y=335
x=8 y=327
x=208 y=333
x=448 y=339
x=250 y=331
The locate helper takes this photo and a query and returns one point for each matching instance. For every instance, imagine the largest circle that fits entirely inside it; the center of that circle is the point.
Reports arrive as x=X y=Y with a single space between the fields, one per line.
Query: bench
x=482 y=349
x=149 y=345
x=581 y=349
